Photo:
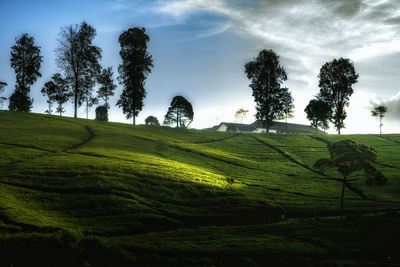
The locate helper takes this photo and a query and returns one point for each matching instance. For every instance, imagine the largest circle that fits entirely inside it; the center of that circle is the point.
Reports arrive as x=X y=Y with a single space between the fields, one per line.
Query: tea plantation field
x=77 y=192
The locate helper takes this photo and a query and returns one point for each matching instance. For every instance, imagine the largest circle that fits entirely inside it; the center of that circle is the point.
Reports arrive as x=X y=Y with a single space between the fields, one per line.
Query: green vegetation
x=105 y=194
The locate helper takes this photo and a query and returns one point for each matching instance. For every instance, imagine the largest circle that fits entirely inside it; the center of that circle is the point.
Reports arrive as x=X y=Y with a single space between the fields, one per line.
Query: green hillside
x=95 y=193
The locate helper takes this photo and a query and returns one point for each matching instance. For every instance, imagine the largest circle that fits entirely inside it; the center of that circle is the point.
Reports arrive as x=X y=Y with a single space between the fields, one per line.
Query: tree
x=57 y=90
x=318 y=113
x=79 y=59
x=241 y=114
x=102 y=113
x=379 y=111
x=335 y=81
x=180 y=113
x=107 y=86
x=87 y=94
x=26 y=61
x=287 y=108
x=151 y=120
x=2 y=88
x=266 y=77
x=348 y=157
x=136 y=65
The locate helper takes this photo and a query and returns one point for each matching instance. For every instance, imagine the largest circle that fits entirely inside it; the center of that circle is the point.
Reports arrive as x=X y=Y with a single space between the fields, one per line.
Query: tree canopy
x=241 y=114
x=347 y=156
x=57 y=90
x=379 y=112
x=79 y=59
x=151 y=120
x=26 y=61
x=106 y=85
x=335 y=81
x=136 y=65
x=318 y=113
x=266 y=76
x=180 y=113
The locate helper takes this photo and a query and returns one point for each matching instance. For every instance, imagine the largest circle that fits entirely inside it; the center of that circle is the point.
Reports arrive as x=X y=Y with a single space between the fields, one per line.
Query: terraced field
x=77 y=192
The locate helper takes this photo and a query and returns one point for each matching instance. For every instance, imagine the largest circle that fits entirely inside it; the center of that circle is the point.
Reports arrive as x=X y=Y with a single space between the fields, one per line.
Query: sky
x=200 y=47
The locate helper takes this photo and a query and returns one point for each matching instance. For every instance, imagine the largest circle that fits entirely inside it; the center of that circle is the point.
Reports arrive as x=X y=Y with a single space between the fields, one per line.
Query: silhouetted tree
x=87 y=94
x=180 y=113
x=348 y=157
x=26 y=61
x=241 y=114
x=379 y=111
x=151 y=120
x=102 y=113
x=136 y=65
x=318 y=113
x=266 y=77
x=288 y=108
x=79 y=59
x=335 y=81
x=107 y=86
x=2 y=89
x=57 y=90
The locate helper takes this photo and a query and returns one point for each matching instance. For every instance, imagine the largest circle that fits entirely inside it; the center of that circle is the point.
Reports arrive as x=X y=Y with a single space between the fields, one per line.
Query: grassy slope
x=158 y=195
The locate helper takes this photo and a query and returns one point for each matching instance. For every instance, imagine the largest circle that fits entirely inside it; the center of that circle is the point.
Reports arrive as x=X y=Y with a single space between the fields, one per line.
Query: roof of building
x=233 y=127
x=281 y=126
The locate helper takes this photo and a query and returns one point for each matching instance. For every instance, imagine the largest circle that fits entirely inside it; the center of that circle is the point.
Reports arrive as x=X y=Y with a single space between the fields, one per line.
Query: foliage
x=347 y=156
x=335 y=81
x=26 y=61
x=151 y=120
x=318 y=113
x=379 y=111
x=102 y=113
x=136 y=65
x=241 y=114
x=266 y=77
x=57 y=90
x=79 y=59
x=107 y=85
x=180 y=113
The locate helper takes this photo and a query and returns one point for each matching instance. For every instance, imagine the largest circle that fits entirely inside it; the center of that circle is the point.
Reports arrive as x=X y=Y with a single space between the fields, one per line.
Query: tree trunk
x=342 y=198
x=134 y=119
x=60 y=108
x=286 y=124
x=76 y=97
x=338 y=130
x=380 y=125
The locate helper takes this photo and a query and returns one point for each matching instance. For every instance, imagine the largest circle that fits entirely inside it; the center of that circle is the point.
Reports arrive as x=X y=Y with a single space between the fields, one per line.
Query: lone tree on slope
x=136 y=65
x=266 y=77
x=180 y=113
x=151 y=120
x=57 y=90
x=335 y=81
x=379 y=111
x=26 y=61
x=318 y=113
x=79 y=59
x=348 y=156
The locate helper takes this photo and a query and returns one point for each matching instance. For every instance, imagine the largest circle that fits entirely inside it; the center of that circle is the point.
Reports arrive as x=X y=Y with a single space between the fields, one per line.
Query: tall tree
x=318 y=113
x=107 y=86
x=180 y=113
x=87 y=94
x=2 y=89
x=241 y=114
x=26 y=61
x=57 y=90
x=348 y=156
x=266 y=77
x=78 y=58
x=136 y=65
x=335 y=81
x=379 y=111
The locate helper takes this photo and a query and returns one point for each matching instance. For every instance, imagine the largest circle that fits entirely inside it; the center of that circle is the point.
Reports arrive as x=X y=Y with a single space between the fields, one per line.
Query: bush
x=102 y=113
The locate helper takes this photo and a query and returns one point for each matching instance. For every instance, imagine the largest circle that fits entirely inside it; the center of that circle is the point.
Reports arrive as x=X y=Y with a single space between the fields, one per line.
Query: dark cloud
x=393 y=20
x=344 y=9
